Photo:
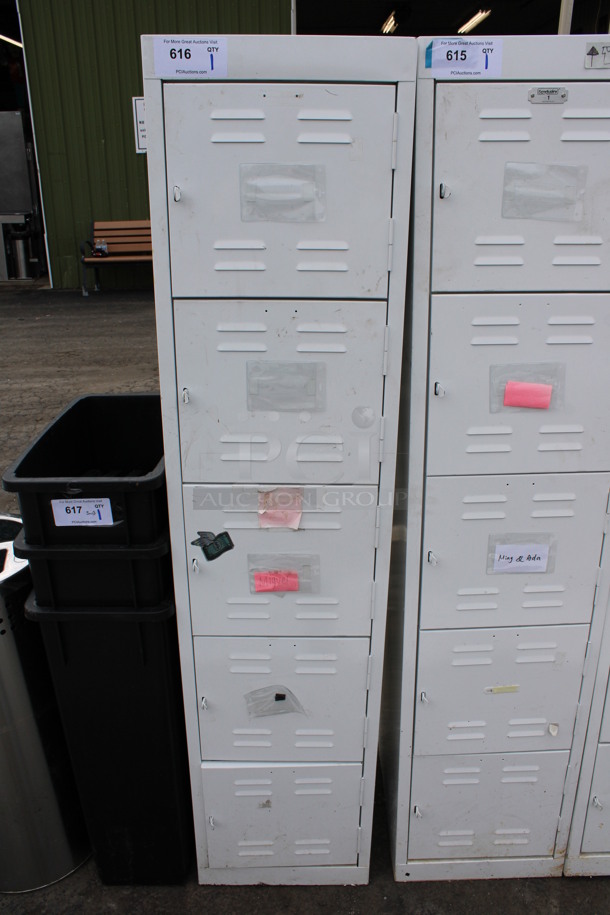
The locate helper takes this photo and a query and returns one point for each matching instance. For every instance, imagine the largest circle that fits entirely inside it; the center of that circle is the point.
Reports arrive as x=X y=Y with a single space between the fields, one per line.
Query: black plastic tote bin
x=117 y=682
x=96 y=475
x=99 y=576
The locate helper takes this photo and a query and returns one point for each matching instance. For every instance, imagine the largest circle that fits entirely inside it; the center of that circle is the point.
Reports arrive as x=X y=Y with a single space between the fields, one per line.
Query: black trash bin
x=92 y=493
x=96 y=475
x=117 y=682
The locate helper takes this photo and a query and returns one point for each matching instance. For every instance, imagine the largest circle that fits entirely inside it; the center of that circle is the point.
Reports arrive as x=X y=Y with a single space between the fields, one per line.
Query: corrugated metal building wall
x=83 y=61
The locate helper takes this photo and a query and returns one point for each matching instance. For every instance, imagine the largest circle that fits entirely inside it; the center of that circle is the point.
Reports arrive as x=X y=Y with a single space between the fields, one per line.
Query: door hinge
x=386 y=347
x=394 y=140
x=601 y=552
x=373 y=590
x=361 y=792
x=377 y=522
x=390 y=244
x=381 y=437
x=571 y=773
x=608 y=504
x=368 y=673
x=365 y=734
x=358 y=840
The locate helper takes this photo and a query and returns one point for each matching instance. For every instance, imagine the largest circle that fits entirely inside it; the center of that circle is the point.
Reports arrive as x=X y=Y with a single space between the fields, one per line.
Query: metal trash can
x=42 y=833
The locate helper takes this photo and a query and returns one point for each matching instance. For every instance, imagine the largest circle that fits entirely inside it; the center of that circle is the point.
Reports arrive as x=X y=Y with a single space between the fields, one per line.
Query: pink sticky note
x=528 y=394
x=276 y=580
x=282 y=507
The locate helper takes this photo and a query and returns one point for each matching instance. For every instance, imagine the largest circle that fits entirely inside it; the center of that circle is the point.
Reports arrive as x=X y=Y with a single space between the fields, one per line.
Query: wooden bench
x=125 y=241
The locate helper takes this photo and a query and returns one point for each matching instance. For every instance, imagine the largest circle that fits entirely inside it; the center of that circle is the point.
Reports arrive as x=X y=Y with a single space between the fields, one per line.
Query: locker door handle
x=204 y=703
x=417 y=812
x=553 y=730
x=195 y=566
x=439 y=390
x=211 y=822
x=177 y=193
x=423 y=697
x=597 y=803
x=444 y=191
x=432 y=558
x=185 y=395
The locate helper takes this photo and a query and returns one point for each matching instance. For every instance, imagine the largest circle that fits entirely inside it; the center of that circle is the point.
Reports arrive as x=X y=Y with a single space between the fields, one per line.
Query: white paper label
x=79 y=512
x=455 y=58
x=521 y=557
x=597 y=56
x=139 y=123
x=177 y=57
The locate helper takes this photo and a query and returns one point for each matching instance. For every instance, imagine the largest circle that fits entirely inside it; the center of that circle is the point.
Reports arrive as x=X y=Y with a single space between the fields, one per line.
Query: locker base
x=285 y=876
x=594 y=865
x=478 y=869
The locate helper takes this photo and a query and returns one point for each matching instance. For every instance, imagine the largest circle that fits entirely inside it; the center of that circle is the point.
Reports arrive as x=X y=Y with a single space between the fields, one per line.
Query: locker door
x=282 y=699
x=525 y=199
x=300 y=199
x=313 y=595
x=281 y=815
x=517 y=384
x=486 y=690
x=278 y=391
x=596 y=835
x=514 y=550
x=490 y=806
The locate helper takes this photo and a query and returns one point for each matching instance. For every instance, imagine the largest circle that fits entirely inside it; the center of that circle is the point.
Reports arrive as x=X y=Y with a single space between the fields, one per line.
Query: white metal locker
x=512 y=550
x=282 y=815
x=282 y=699
x=588 y=851
x=284 y=391
x=500 y=581
x=533 y=398
x=526 y=201
x=281 y=189
x=310 y=594
x=280 y=174
x=596 y=836
x=494 y=690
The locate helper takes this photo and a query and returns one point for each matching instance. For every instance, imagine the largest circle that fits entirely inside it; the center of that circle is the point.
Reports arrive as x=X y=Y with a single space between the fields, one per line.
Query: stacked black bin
x=92 y=495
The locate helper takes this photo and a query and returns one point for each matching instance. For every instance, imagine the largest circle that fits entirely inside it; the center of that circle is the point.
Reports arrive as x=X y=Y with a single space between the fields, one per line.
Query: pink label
x=528 y=394
x=276 y=580
x=281 y=507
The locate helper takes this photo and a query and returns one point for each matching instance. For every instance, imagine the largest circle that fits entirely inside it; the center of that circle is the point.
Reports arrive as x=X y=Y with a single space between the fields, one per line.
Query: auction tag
x=521 y=557
x=178 y=57
x=79 y=512
x=455 y=58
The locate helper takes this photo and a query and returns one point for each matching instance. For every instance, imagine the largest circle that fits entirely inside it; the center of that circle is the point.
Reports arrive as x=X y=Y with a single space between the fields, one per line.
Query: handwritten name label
x=521 y=558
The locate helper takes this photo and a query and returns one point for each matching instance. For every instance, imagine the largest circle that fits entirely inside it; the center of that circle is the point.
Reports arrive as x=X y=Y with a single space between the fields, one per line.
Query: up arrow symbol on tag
x=592 y=57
